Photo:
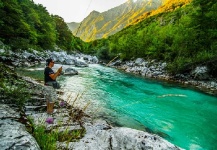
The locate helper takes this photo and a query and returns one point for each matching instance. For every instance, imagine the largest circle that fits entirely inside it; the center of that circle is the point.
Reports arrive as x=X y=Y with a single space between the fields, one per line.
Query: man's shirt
x=47 y=72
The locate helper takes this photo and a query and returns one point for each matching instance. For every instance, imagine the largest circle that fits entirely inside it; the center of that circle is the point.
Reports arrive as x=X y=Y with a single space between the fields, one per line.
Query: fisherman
x=51 y=84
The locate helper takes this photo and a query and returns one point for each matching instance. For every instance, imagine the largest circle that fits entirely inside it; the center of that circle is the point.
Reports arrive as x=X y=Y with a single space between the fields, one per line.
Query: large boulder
x=13 y=135
x=100 y=135
x=70 y=71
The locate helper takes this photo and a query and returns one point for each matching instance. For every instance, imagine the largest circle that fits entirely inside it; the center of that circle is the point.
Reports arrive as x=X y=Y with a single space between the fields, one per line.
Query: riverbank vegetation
x=47 y=140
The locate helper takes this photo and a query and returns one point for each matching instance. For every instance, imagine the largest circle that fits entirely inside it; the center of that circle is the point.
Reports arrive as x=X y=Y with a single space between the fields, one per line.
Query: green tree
x=11 y=22
x=45 y=29
x=64 y=35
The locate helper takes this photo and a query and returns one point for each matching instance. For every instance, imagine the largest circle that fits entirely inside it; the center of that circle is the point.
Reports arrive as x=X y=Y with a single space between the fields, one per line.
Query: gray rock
x=13 y=135
x=95 y=60
x=144 y=71
x=139 y=61
x=69 y=62
x=80 y=64
x=116 y=63
x=70 y=71
x=26 y=55
x=102 y=136
x=163 y=65
x=144 y=63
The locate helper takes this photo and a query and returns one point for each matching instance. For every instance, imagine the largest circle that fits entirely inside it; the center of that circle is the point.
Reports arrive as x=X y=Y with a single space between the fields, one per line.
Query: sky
x=77 y=10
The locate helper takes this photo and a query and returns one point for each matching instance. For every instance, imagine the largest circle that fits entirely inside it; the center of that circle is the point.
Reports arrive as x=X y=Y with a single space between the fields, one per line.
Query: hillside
x=181 y=34
x=168 y=6
x=101 y=25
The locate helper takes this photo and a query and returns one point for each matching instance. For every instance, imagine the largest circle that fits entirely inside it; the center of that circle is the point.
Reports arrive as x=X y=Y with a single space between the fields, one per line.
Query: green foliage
x=46 y=141
x=25 y=25
x=64 y=35
x=103 y=53
x=70 y=136
x=12 y=89
x=79 y=45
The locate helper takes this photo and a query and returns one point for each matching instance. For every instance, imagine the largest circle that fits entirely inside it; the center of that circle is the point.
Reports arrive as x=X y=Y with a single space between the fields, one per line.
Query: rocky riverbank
x=75 y=129
x=197 y=78
x=91 y=133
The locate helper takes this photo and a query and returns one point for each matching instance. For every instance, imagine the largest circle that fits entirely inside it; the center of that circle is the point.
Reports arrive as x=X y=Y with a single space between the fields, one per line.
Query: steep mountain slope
x=100 y=25
x=73 y=26
x=168 y=5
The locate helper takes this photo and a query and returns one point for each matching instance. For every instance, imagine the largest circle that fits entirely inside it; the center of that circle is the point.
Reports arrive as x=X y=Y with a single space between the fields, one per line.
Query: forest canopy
x=25 y=25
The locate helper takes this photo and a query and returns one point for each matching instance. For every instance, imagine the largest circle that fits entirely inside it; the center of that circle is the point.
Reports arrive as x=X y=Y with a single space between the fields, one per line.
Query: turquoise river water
x=185 y=117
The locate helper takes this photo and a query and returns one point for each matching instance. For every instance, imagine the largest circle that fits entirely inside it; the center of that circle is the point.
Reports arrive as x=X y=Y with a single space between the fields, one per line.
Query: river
x=183 y=116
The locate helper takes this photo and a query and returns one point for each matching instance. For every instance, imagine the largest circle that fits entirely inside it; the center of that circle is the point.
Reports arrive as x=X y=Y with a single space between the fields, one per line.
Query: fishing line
x=82 y=21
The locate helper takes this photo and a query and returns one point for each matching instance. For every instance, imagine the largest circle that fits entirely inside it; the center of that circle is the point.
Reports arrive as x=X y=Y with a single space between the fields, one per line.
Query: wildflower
x=49 y=120
x=62 y=104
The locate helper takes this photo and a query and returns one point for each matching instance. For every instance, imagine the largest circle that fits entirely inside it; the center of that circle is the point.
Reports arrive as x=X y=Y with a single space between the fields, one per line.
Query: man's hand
x=60 y=69
x=54 y=76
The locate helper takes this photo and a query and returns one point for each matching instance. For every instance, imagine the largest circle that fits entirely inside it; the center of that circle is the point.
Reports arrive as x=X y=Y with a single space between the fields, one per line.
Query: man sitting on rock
x=50 y=76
